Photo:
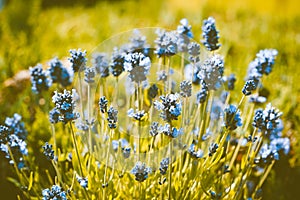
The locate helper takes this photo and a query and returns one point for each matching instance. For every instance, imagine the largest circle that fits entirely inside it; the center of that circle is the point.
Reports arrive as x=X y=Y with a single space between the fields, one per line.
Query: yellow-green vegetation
x=36 y=31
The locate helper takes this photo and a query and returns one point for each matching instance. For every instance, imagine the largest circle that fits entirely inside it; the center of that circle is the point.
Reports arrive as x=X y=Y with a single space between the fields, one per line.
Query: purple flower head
x=141 y=171
x=232 y=118
x=138 y=66
x=89 y=75
x=210 y=34
x=101 y=63
x=194 y=52
x=170 y=107
x=55 y=192
x=211 y=72
x=117 y=63
x=186 y=88
x=250 y=86
x=166 y=43
x=48 y=151
x=59 y=73
x=138 y=43
x=262 y=64
x=78 y=59
x=65 y=104
x=194 y=153
x=39 y=80
x=112 y=117
x=103 y=104
x=164 y=164
x=268 y=120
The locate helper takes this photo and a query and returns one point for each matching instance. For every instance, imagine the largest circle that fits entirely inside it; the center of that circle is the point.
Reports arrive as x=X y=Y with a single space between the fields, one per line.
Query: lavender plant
x=178 y=135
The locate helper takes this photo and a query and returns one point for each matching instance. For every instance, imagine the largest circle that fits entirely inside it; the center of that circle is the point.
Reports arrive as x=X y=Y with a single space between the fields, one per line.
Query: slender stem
x=169 y=78
x=80 y=94
x=76 y=148
x=182 y=65
x=57 y=171
x=170 y=167
x=107 y=157
x=89 y=104
x=54 y=137
x=262 y=180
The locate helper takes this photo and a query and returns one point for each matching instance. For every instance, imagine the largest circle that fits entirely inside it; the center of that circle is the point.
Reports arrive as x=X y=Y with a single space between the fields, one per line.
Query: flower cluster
x=12 y=140
x=138 y=43
x=184 y=34
x=154 y=128
x=267 y=120
x=139 y=115
x=194 y=52
x=211 y=72
x=171 y=132
x=40 y=81
x=230 y=81
x=202 y=94
x=65 y=105
x=213 y=148
x=117 y=63
x=103 y=104
x=112 y=117
x=210 y=34
x=164 y=164
x=89 y=74
x=59 y=73
x=166 y=43
x=263 y=63
x=82 y=181
x=48 y=151
x=78 y=59
x=186 y=88
x=101 y=63
x=141 y=171
x=55 y=192
x=250 y=86
x=170 y=107
x=232 y=118
x=194 y=153
x=138 y=66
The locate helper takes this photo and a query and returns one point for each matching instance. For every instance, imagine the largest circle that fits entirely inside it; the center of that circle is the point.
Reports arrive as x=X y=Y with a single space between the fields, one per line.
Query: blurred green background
x=34 y=31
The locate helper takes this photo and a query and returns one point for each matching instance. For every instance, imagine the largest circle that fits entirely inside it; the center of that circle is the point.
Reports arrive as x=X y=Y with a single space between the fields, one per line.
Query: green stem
x=170 y=168
x=76 y=148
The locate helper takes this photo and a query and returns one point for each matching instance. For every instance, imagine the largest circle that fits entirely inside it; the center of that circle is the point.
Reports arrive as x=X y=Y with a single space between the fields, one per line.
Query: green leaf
x=30 y=181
